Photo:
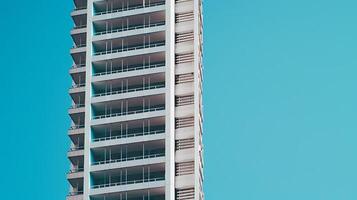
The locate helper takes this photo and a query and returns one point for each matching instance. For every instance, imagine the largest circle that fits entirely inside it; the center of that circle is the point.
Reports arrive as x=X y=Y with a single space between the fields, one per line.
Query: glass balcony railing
x=76 y=66
x=129 y=159
x=123 y=91
x=134 y=7
x=78 y=85
x=76 y=148
x=75 y=170
x=80 y=8
x=74 y=193
x=128 y=135
x=130 y=68
x=130 y=28
x=158 y=108
x=132 y=48
x=80 y=26
x=146 y=180
x=76 y=127
x=77 y=106
x=79 y=46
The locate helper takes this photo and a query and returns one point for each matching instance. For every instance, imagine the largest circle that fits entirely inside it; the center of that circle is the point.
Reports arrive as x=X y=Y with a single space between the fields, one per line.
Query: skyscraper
x=136 y=130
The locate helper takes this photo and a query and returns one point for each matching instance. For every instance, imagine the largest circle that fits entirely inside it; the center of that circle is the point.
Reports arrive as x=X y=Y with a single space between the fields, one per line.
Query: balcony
x=128 y=176
x=77 y=88
x=130 y=159
x=129 y=182
x=76 y=109
x=76 y=173
x=131 y=89
x=130 y=68
x=81 y=48
x=76 y=69
x=75 y=152
x=80 y=29
x=130 y=48
x=76 y=127
x=152 y=109
x=75 y=195
x=129 y=135
x=134 y=27
x=150 y=194
x=79 y=11
x=101 y=8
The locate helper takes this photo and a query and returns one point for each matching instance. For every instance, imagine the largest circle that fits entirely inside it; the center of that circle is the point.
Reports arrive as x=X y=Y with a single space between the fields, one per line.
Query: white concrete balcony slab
x=131 y=72
x=77 y=88
x=135 y=51
x=79 y=11
x=159 y=113
x=80 y=49
x=131 y=162
x=75 y=109
x=128 y=11
x=78 y=174
x=128 y=187
x=75 y=153
x=74 y=196
x=184 y=111
x=77 y=69
x=75 y=131
x=125 y=32
x=79 y=30
x=159 y=135
x=131 y=94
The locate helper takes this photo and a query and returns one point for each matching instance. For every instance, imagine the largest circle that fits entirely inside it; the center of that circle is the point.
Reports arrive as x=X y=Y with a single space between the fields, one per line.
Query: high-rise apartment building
x=136 y=116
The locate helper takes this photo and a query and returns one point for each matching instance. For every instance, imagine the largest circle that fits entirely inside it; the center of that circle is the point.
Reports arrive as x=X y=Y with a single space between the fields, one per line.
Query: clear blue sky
x=280 y=99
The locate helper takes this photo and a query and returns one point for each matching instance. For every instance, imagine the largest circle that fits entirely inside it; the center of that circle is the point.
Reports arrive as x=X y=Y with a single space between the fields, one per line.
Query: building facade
x=136 y=131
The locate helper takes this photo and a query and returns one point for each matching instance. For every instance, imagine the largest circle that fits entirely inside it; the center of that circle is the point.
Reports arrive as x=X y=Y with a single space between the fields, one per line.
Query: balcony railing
x=74 y=193
x=80 y=8
x=130 y=28
x=130 y=90
x=129 y=135
x=76 y=148
x=129 y=68
x=75 y=66
x=129 y=159
x=80 y=26
x=128 y=182
x=130 y=8
x=77 y=106
x=130 y=48
x=75 y=170
x=76 y=127
x=129 y=112
x=79 y=46
x=78 y=85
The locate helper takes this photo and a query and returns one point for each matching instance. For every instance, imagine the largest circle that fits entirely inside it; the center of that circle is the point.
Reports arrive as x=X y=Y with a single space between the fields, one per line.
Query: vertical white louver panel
x=184 y=100
x=184 y=58
x=184 y=122
x=184 y=37
x=184 y=78
x=184 y=17
x=184 y=168
x=185 y=194
x=184 y=144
